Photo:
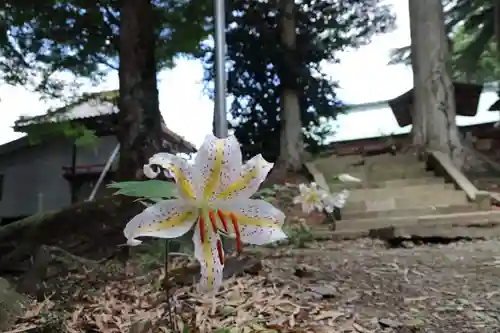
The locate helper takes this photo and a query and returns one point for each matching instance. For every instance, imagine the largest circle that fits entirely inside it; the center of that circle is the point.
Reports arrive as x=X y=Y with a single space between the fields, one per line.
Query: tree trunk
x=291 y=140
x=497 y=27
x=434 y=111
x=139 y=124
x=496 y=14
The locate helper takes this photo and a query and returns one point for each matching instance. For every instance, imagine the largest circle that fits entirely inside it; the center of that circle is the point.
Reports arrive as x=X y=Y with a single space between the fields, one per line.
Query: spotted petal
x=253 y=173
x=178 y=168
x=218 y=161
x=166 y=219
x=209 y=252
x=254 y=221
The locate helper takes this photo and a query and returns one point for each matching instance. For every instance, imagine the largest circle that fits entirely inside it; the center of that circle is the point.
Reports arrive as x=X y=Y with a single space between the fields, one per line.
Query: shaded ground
x=353 y=286
x=89 y=229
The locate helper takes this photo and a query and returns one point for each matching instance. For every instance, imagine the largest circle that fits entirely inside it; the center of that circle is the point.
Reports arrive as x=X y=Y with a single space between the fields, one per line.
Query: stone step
x=385 y=176
x=395 y=183
x=355 y=163
x=383 y=158
x=402 y=192
x=377 y=168
x=468 y=219
x=444 y=232
x=414 y=200
x=409 y=212
x=391 y=159
x=476 y=225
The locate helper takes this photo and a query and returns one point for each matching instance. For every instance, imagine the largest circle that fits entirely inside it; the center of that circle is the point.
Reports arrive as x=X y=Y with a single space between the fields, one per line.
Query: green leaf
x=149 y=189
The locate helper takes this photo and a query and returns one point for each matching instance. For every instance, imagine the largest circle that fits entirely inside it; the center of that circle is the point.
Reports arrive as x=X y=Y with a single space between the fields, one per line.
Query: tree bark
x=139 y=124
x=434 y=112
x=291 y=140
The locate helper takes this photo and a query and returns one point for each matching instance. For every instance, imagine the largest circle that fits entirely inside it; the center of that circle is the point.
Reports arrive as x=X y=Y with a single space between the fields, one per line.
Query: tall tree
x=261 y=67
x=139 y=130
x=291 y=156
x=434 y=101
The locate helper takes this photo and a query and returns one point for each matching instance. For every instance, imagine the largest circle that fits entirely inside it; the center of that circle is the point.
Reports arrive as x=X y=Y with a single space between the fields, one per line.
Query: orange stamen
x=222 y=219
x=220 y=252
x=202 y=229
x=236 y=231
x=211 y=215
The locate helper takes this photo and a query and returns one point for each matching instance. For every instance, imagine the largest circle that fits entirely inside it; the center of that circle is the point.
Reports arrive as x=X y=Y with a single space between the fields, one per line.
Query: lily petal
x=150 y=172
x=166 y=219
x=179 y=169
x=338 y=199
x=218 y=162
x=346 y=178
x=253 y=173
x=210 y=254
x=257 y=221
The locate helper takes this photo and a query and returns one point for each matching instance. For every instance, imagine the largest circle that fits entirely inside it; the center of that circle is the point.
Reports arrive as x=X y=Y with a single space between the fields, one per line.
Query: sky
x=363 y=74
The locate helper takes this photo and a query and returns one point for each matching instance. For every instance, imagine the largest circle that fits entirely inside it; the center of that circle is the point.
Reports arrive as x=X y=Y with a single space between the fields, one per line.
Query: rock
x=303 y=272
x=414 y=323
x=389 y=323
x=142 y=326
x=11 y=305
x=310 y=296
x=324 y=291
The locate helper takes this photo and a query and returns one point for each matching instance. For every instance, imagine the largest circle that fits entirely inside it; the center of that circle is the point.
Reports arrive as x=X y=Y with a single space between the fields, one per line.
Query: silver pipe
x=220 y=110
x=104 y=172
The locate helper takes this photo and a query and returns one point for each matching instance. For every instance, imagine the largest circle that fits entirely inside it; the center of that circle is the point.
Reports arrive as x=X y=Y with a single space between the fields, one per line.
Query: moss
x=12 y=305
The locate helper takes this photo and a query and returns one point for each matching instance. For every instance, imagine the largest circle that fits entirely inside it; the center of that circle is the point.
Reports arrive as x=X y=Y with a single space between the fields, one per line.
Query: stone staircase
x=399 y=197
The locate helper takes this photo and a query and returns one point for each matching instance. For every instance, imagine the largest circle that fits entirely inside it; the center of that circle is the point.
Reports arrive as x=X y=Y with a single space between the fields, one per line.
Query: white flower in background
x=336 y=200
x=213 y=196
x=346 y=178
x=311 y=197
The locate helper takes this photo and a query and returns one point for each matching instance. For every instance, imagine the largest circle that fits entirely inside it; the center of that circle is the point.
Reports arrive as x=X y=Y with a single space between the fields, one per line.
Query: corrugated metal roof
x=96 y=105
x=88 y=106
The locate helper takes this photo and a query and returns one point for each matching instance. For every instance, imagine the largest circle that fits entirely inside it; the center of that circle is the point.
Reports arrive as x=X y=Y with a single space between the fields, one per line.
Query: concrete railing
x=318 y=177
x=443 y=166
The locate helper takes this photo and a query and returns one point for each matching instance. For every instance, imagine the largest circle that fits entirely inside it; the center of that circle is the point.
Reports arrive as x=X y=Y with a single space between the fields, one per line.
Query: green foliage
x=298 y=234
x=149 y=189
x=466 y=68
x=153 y=253
x=260 y=65
x=81 y=135
x=470 y=27
x=41 y=38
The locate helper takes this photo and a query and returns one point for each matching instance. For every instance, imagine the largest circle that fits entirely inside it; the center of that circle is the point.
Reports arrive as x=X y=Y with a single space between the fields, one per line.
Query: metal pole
x=220 y=111
x=104 y=172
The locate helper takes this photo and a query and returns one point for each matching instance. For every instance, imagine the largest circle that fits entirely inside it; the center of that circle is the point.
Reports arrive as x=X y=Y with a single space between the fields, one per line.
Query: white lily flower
x=213 y=196
x=346 y=178
x=310 y=198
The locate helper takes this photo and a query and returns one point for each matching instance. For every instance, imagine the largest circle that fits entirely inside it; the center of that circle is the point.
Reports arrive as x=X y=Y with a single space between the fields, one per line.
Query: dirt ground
x=352 y=286
x=440 y=288
x=360 y=286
